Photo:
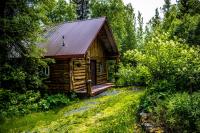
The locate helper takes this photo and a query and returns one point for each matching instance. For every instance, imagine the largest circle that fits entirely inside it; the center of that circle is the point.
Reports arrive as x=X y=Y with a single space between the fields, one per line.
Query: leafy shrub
x=133 y=76
x=16 y=104
x=180 y=112
x=50 y=102
x=171 y=71
x=168 y=60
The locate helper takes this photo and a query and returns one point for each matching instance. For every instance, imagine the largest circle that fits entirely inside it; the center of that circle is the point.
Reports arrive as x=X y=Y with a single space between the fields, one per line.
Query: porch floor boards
x=97 y=89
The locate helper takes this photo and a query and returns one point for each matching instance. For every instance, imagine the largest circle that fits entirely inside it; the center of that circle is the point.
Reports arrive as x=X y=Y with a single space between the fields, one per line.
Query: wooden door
x=93 y=71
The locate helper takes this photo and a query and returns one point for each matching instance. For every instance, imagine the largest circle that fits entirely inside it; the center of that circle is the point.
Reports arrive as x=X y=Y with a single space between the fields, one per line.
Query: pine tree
x=156 y=19
x=140 y=29
x=191 y=7
x=130 y=40
x=166 y=6
x=82 y=9
x=20 y=58
x=61 y=12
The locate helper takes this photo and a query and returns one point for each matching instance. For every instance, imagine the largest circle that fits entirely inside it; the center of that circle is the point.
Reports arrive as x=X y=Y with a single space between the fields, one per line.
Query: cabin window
x=46 y=71
x=101 y=67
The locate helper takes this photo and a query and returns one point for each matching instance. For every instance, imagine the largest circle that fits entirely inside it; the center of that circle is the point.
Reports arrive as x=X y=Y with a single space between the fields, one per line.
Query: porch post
x=88 y=76
x=116 y=68
x=71 y=74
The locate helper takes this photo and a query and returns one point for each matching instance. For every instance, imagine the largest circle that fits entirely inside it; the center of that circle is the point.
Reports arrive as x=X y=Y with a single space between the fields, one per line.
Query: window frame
x=46 y=71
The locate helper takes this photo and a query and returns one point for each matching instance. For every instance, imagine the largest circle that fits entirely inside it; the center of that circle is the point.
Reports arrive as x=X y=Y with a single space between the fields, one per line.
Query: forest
x=157 y=83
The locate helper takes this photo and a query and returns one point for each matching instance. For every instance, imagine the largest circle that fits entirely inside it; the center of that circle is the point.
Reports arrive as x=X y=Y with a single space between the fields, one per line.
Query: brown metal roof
x=78 y=36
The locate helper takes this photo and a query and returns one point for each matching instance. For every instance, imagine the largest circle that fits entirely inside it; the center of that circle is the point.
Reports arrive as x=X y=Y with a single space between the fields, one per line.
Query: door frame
x=93 y=72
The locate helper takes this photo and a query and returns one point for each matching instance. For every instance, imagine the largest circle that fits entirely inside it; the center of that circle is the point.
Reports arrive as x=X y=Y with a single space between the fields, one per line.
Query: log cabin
x=81 y=50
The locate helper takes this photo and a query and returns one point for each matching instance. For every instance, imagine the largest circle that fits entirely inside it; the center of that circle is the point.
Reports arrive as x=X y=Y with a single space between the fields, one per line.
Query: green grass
x=113 y=112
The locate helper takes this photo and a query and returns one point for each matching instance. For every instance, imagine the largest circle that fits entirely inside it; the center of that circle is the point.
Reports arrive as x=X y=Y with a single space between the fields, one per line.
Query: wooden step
x=97 y=89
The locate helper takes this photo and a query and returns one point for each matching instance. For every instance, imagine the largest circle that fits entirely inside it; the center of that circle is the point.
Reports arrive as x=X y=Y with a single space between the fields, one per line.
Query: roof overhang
x=66 y=56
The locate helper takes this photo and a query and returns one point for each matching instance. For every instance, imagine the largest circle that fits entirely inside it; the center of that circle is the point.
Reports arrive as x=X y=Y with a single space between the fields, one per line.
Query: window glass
x=46 y=71
x=101 y=67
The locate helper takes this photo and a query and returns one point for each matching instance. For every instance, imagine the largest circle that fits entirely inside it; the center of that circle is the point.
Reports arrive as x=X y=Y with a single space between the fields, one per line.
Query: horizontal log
x=79 y=87
x=60 y=66
x=53 y=78
x=59 y=73
x=79 y=74
x=79 y=71
x=82 y=66
x=80 y=77
x=79 y=82
x=59 y=70
x=80 y=63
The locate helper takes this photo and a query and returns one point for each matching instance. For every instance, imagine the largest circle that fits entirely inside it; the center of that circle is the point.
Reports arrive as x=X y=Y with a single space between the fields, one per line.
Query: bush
x=14 y=103
x=129 y=75
x=171 y=71
x=17 y=104
x=163 y=59
x=180 y=112
x=50 y=102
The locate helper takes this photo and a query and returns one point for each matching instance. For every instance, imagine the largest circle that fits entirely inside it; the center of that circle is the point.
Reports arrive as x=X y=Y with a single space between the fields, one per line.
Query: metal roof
x=77 y=37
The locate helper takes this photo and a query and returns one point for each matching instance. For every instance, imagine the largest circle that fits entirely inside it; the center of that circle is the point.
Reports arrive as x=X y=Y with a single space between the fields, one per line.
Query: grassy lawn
x=111 y=111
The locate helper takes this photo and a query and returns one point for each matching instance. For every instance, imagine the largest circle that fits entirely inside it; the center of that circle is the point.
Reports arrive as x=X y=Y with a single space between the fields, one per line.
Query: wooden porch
x=95 y=90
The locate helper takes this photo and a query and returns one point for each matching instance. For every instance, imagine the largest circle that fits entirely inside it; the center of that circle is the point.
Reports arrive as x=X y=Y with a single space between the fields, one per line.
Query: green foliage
x=62 y=12
x=82 y=9
x=156 y=19
x=140 y=34
x=180 y=112
x=191 y=7
x=174 y=67
x=17 y=104
x=183 y=20
x=20 y=58
x=130 y=41
x=169 y=60
x=133 y=76
x=53 y=101
x=166 y=6
x=188 y=29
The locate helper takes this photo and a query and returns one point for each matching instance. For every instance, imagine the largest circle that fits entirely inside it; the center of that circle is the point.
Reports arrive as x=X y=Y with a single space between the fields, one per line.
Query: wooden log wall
x=79 y=75
x=96 y=50
x=59 y=76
